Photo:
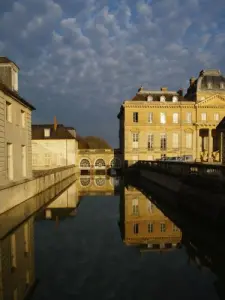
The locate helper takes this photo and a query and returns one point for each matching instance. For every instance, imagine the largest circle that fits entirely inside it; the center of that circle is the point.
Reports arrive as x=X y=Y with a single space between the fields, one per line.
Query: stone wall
x=18 y=193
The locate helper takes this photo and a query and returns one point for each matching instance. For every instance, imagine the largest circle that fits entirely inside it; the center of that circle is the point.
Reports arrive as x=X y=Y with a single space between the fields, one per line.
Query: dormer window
x=47 y=132
x=162 y=99
x=175 y=99
x=209 y=85
x=149 y=98
x=15 y=80
x=222 y=85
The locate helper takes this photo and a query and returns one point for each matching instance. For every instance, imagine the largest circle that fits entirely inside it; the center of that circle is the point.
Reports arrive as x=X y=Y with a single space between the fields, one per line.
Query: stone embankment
x=16 y=193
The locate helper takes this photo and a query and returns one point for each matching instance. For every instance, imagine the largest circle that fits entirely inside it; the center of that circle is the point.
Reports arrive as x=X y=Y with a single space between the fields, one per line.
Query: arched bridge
x=99 y=161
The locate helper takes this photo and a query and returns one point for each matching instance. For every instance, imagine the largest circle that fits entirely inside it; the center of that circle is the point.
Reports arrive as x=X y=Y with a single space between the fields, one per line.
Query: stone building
x=155 y=124
x=143 y=224
x=15 y=127
x=53 y=145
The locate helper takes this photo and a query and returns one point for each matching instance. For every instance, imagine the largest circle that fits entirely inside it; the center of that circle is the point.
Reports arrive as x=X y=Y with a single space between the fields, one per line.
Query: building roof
x=156 y=96
x=208 y=80
x=6 y=60
x=15 y=96
x=221 y=125
x=61 y=132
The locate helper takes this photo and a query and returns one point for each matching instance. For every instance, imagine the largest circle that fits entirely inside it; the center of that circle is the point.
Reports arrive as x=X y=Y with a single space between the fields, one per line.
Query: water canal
x=107 y=241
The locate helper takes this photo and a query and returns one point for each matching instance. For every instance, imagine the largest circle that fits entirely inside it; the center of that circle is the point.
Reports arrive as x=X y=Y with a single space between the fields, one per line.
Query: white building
x=15 y=127
x=53 y=146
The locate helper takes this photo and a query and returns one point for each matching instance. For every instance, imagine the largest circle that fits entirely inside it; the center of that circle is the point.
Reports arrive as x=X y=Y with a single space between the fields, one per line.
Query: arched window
x=100 y=163
x=100 y=181
x=85 y=163
x=85 y=181
x=115 y=163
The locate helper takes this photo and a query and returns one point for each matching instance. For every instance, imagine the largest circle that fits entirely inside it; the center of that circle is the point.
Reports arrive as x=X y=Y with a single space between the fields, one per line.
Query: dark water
x=93 y=253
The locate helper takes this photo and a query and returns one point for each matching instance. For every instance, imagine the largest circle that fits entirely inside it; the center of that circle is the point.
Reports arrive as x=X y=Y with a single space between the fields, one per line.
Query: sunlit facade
x=155 y=124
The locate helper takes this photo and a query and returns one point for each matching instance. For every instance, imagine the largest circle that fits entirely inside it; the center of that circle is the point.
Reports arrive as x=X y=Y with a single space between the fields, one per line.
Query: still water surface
x=121 y=247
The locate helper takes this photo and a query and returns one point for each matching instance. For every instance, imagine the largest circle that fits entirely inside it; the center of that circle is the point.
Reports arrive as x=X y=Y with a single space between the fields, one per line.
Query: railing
x=98 y=151
x=41 y=173
x=183 y=168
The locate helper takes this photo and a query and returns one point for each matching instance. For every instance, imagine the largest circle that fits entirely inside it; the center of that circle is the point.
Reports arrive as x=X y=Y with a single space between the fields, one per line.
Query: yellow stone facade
x=144 y=224
x=187 y=125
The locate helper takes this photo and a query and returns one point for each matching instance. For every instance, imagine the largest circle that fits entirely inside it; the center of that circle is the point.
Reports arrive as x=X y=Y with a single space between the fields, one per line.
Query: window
x=48 y=158
x=175 y=118
x=150 y=141
x=24 y=160
x=8 y=111
x=135 y=138
x=27 y=278
x=135 y=207
x=203 y=116
x=188 y=137
x=15 y=80
x=175 y=140
x=13 y=251
x=222 y=85
x=22 y=118
x=209 y=85
x=175 y=99
x=189 y=117
x=26 y=238
x=163 y=227
x=175 y=229
x=216 y=117
x=47 y=132
x=163 y=141
x=10 y=161
x=162 y=98
x=150 y=207
x=135 y=117
x=15 y=294
x=136 y=228
x=150 y=117
x=150 y=227
x=163 y=118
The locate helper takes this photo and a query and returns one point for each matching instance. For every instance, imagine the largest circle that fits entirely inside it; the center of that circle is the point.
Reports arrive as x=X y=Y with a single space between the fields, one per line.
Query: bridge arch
x=85 y=163
x=85 y=181
x=100 y=163
x=100 y=181
x=115 y=163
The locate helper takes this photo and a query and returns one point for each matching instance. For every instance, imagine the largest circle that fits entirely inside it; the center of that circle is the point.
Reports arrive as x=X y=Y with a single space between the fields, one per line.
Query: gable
x=213 y=101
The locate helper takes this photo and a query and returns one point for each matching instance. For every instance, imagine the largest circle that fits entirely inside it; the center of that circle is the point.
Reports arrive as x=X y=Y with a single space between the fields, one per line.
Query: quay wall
x=15 y=194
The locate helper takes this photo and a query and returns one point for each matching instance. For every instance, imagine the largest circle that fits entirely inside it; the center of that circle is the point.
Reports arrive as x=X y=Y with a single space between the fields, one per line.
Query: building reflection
x=98 y=185
x=17 y=276
x=63 y=206
x=142 y=224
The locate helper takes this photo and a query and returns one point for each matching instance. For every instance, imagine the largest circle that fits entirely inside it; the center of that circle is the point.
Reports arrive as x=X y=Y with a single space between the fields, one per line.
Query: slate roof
x=61 y=133
x=156 y=96
x=15 y=95
x=6 y=60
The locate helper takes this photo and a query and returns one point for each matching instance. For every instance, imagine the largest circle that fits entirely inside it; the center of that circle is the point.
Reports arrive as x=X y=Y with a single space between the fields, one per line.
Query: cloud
x=81 y=59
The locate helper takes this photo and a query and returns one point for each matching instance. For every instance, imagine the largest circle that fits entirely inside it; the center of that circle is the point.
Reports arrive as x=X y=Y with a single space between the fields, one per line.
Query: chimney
x=180 y=92
x=164 y=88
x=55 y=123
x=9 y=73
x=192 y=80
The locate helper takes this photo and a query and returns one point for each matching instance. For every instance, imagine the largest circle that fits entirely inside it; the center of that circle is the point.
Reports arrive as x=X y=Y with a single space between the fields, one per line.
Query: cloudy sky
x=80 y=59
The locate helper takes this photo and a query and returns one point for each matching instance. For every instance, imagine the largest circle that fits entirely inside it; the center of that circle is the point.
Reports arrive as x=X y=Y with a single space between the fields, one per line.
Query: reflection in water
x=17 y=262
x=142 y=225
